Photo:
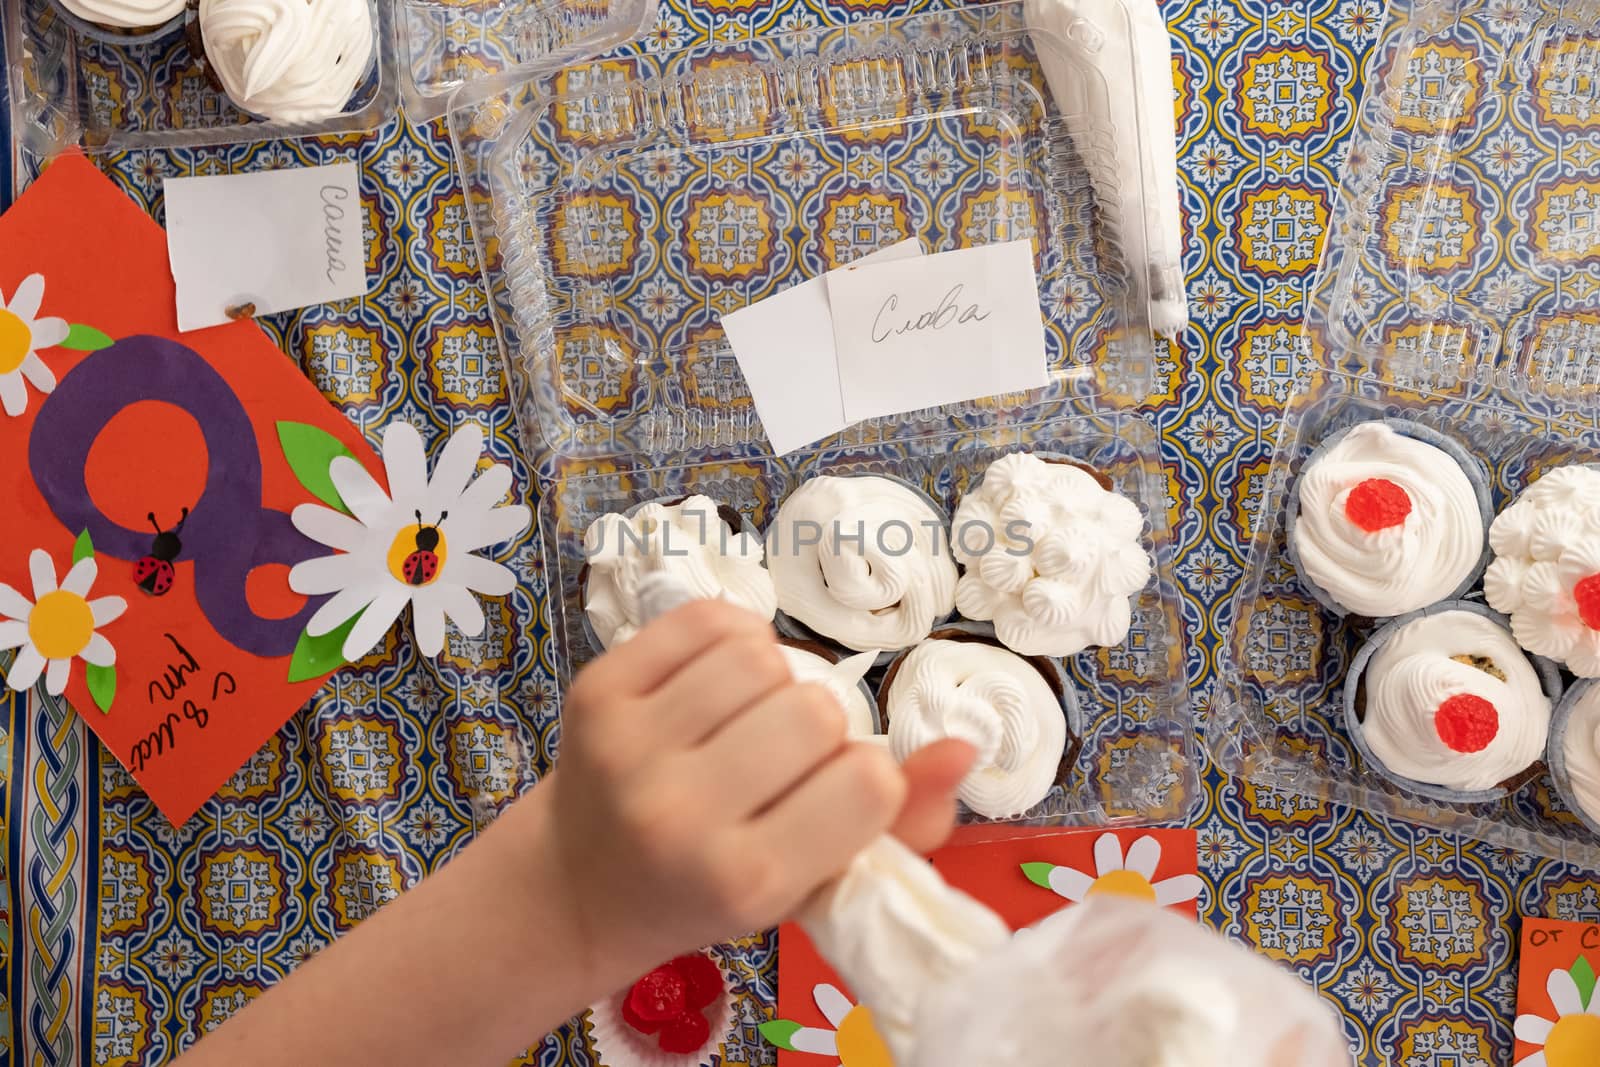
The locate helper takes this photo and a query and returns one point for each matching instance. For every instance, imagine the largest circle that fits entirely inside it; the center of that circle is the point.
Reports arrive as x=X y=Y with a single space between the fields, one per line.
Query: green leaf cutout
x=102 y=685
x=309 y=450
x=83 y=547
x=1038 y=873
x=85 y=338
x=316 y=656
x=780 y=1032
x=1583 y=974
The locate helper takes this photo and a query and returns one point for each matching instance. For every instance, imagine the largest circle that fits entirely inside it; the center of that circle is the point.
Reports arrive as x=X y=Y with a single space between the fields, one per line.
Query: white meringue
x=862 y=561
x=687 y=540
x=993 y=699
x=843 y=680
x=288 y=60
x=1581 y=748
x=1545 y=543
x=1402 y=568
x=1413 y=673
x=1052 y=557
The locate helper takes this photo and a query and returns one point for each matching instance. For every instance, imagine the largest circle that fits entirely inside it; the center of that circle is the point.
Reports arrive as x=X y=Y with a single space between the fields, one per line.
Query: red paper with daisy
x=195 y=538
x=1558 y=1005
x=1024 y=874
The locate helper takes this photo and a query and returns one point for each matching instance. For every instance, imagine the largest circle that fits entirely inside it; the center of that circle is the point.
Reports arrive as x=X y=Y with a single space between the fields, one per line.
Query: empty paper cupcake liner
x=616 y=1044
x=1560 y=773
x=1355 y=707
x=1474 y=469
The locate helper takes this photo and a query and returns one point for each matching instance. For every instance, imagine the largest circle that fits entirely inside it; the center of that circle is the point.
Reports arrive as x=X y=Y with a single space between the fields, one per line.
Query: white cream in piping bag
x=125 y=14
x=288 y=60
x=843 y=680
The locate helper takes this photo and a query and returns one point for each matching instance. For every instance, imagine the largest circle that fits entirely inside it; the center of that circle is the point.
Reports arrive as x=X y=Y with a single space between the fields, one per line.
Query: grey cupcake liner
x=789 y=626
x=1475 y=470
x=1556 y=754
x=112 y=35
x=1549 y=675
x=723 y=510
x=1050 y=666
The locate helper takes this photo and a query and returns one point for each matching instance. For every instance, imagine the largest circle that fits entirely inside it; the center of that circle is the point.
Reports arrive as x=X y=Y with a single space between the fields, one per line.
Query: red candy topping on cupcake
x=1467 y=723
x=670 y=1003
x=1587 y=593
x=1377 y=504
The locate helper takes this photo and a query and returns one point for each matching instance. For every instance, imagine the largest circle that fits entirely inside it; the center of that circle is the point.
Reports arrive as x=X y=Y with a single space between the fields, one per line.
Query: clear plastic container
x=1458 y=288
x=622 y=206
x=70 y=85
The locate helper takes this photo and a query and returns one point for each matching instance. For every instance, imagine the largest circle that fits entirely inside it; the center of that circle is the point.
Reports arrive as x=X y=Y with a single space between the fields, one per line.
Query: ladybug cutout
x=420 y=567
x=153 y=573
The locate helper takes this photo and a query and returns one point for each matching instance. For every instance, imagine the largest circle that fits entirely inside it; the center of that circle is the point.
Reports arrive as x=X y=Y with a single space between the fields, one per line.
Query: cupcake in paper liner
x=678 y=1015
x=1575 y=751
x=290 y=61
x=862 y=562
x=1051 y=554
x=122 y=22
x=845 y=677
x=708 y=547
x=1444 y=703
x=1020 y=712
x=1546 y=568
x=1388 y=517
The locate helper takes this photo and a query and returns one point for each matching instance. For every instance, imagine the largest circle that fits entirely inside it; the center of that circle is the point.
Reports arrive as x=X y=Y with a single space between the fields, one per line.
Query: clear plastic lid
x=1460 y=290
x=622 y=206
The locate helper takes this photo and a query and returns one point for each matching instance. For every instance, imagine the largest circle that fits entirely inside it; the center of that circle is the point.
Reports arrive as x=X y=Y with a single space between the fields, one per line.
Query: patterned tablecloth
x=124 y=939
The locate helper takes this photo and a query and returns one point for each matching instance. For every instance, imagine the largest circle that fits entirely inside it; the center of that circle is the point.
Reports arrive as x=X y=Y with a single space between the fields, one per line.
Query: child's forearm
x=479 y=961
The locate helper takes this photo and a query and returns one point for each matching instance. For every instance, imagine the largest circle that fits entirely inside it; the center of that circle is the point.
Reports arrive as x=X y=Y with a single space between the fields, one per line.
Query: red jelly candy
x=659 y=996
x=1587 y=594
x=1466 y=723
x=703 y=978
x=631 y=1017
x=685 y=1034
x=1377 y=504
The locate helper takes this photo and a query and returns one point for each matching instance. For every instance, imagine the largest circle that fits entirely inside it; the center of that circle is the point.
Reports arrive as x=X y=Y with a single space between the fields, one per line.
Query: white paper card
x=784 y=347
x=274 y=240
x=937 y=330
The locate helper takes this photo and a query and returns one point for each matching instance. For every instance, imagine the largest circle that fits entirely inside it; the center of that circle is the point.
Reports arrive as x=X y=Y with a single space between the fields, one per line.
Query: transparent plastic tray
x=70 y=87
x=1139 y=754
x=1459 y=288
x=623 y=206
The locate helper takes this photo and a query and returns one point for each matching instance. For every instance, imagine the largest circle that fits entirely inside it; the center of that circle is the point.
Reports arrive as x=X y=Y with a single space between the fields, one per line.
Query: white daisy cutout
x=411 y=545
x=22 y=334
x=1573 y=1038
x=1132 y=875
x=854 y=1039
x=59 y=625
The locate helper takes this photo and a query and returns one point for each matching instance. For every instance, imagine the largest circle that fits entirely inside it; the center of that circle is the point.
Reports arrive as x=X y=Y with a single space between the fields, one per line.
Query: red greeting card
x=1024 y=874
x=1558 y=1012
x=148 y=479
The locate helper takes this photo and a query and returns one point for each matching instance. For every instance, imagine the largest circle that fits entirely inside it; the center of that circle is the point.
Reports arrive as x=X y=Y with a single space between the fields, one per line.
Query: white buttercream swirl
x=993 y=699
x=125 y=14
x=1545 y=544
x=862 y=561
x=288 y=60
x=1052 y=557
x=843 y=680
x=1413 y=672
x=1581 y=748
x=1402 y=568
x=687 y=540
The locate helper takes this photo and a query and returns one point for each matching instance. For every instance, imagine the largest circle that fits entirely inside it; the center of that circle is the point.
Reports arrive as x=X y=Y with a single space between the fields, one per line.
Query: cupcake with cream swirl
x=288 y=60
x=1052 y=556
x=862 y=561
x=1015 y=711
x=1388 y=517
x=124 y=21
x=1447 y=705
x=1575 y=751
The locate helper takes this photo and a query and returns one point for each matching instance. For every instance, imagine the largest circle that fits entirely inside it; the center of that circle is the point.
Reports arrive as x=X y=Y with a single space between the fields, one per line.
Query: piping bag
x=1112 y=982
x=1126 y=135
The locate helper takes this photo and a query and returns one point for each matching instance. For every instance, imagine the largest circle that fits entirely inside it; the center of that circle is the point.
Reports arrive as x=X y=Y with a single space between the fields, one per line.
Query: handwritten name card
x=250 y=244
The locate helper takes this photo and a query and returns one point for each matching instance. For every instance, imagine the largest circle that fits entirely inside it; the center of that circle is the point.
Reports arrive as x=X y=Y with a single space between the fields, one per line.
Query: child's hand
x=704 y=794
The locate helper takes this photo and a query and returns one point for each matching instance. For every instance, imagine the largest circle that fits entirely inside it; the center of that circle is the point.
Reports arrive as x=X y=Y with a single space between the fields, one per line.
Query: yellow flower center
x=16 y=340
x=408 y=554
x=60 y=624
x=858 y=1041
x=1575 y=1042
x=1124 y=884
